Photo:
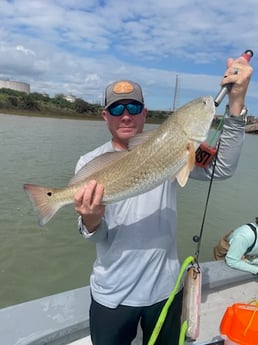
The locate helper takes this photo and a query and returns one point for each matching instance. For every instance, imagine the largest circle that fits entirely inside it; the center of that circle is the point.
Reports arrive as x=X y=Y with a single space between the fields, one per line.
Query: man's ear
x=104 y=115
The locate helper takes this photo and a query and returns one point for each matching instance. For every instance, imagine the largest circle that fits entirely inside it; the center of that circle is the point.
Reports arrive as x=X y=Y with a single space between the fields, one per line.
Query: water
x=35 y=261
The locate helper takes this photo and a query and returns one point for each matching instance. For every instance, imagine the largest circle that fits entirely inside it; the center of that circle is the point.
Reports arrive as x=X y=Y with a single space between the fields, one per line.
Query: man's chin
x=127 y=133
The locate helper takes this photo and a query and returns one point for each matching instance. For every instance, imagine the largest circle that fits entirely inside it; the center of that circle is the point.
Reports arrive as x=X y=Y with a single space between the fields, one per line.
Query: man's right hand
x=87 y=202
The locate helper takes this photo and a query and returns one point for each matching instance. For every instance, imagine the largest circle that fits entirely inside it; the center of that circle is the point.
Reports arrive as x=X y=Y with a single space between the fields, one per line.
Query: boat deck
x=63 y=318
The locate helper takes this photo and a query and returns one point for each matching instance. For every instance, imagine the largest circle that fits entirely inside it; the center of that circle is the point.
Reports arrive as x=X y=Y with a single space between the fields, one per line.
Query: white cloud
x=79 y=47
x=24 y=50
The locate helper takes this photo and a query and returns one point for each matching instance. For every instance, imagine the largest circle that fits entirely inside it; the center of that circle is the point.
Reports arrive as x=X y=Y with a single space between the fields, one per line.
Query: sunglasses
x=133 y=108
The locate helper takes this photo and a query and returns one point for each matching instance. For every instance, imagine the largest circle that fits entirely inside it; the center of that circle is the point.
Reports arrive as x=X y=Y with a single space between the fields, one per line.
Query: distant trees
x=81 y=106
x=57 y=106
x=37 y=102
x=27 y=102
x=61 y=102
x=10 y=99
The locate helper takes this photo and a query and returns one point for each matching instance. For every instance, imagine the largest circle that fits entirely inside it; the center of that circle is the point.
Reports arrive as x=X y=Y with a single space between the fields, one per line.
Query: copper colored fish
x=167 y=152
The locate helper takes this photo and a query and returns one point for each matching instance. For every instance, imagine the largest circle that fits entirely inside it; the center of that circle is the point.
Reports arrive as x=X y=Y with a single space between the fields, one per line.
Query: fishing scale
x=205 y=153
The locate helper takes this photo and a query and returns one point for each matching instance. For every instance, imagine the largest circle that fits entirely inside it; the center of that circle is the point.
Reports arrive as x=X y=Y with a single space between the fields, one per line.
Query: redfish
x=165 y=153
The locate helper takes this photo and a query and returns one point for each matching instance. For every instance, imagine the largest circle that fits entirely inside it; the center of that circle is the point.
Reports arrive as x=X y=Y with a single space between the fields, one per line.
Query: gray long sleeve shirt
x=137 y=262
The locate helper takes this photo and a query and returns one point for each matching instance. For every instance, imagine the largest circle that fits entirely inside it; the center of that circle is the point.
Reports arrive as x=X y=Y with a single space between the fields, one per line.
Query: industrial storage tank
x=15 y=85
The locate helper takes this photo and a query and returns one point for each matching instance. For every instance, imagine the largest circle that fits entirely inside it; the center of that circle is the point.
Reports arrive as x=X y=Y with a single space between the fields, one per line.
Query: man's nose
x=126 y=114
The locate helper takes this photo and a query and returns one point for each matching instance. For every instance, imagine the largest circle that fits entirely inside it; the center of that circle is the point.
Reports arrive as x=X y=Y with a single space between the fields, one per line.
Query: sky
x=78 y=47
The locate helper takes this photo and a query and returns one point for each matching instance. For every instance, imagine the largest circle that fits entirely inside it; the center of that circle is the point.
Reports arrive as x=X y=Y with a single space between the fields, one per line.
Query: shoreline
x=54 y=116
x=68 y=117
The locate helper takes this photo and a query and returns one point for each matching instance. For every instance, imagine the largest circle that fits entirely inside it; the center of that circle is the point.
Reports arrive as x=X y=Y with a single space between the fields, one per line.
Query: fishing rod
x=205 y=153
x=193 y=278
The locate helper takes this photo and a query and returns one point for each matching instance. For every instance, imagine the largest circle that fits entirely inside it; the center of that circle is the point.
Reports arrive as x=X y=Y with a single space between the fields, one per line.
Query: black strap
x=255 y=234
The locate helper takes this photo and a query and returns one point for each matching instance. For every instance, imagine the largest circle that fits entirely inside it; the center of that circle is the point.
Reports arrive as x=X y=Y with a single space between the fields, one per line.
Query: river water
x=38 y=261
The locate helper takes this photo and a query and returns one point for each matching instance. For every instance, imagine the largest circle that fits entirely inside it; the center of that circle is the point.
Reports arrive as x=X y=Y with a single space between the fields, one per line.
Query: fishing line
x=197 y=238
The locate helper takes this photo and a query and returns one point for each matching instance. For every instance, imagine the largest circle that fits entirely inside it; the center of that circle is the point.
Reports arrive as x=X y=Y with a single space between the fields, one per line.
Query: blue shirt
x=241 y=239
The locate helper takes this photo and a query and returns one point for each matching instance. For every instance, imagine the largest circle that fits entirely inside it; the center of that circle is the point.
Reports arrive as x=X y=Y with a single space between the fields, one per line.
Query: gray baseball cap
x=123 y=89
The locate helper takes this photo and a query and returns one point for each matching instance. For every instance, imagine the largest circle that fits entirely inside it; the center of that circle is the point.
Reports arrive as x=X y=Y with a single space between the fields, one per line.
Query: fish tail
x=43 y=202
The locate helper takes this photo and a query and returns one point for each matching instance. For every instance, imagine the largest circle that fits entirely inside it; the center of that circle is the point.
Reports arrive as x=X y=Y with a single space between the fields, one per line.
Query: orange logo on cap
x=123 y=87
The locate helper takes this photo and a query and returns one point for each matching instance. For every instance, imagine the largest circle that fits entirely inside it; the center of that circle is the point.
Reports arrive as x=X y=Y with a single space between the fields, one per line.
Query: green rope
x=217 y=129
x=183 y=331
x=164 y=311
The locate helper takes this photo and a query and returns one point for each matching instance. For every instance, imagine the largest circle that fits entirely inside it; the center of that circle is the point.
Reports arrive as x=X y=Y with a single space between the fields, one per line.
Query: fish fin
x=183 y=175
x=191 y=158
x=95 y=165
x=42 y=202
x=139 y=138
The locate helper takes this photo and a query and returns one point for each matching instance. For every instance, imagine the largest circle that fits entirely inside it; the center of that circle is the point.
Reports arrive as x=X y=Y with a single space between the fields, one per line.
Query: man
x=137 y=263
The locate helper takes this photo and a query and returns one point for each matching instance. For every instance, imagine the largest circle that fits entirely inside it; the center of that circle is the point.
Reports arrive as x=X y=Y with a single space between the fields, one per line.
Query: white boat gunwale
x=63 y=318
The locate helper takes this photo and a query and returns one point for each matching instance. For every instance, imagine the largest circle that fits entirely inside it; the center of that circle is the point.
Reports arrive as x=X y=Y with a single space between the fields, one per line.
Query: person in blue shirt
x=240 y=240
x=137 y=264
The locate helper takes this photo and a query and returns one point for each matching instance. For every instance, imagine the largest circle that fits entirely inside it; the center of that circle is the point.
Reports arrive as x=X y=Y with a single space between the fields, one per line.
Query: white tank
x=15 y=85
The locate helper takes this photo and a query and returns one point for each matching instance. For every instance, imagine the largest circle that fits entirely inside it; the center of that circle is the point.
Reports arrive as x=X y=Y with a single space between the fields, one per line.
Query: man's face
x=124 y=126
